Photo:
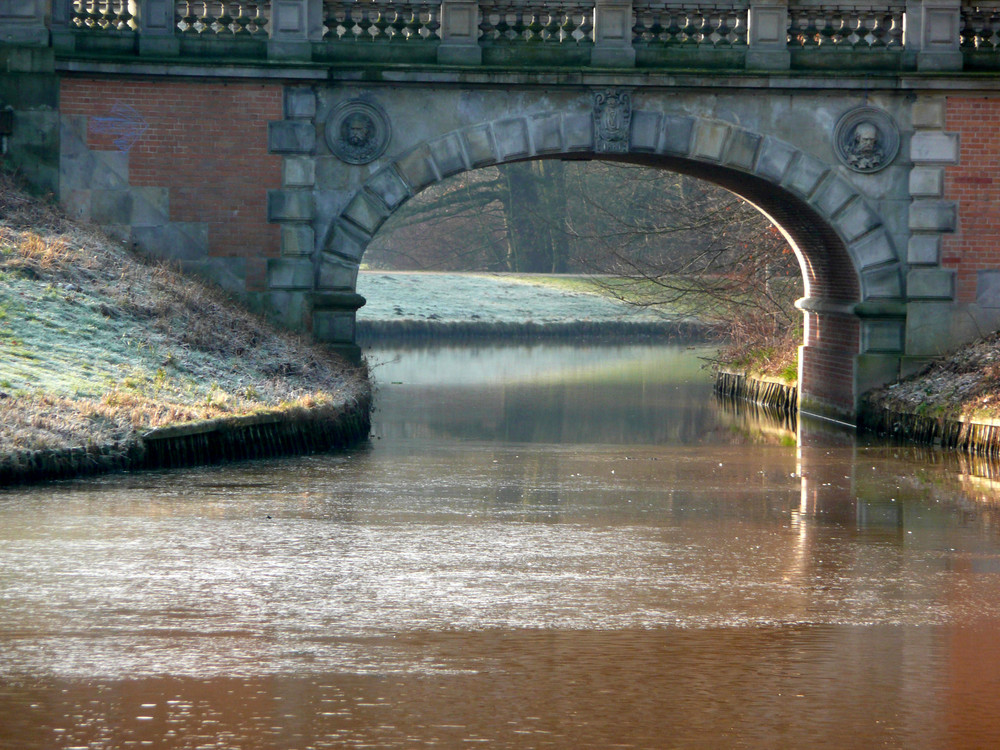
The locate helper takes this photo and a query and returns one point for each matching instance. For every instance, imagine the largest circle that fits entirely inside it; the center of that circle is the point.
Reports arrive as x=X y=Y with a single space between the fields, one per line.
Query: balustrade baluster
x=568 y=26
x=223 y=21
x=519 y=26
x=366 y=25
x=991 y=40
x=971 y=32
x=412 y=30
x=720 y=31
x=503 y=27
x=533 y=29
x=398 y=24
x=586 y=28
x=552 y=26
x=487 y=29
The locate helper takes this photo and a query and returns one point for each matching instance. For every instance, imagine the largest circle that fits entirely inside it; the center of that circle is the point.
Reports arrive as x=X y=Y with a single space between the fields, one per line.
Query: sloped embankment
x=101 y=351
x=954 y=403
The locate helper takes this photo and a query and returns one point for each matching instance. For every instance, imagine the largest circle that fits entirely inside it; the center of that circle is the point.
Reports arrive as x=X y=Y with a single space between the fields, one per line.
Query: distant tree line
x=659 y=239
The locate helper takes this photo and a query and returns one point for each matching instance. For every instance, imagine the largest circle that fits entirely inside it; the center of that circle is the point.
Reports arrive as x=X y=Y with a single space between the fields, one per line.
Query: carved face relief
x=357 y=132
x=866 y=139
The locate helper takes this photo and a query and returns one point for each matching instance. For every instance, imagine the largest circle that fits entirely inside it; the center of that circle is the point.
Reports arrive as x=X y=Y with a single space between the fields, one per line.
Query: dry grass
x=147 y=345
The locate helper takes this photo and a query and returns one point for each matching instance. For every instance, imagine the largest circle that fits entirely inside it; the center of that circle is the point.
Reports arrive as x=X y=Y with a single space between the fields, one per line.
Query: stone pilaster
x=22 y=23
x=938 y=31
x=767 y=27
x=613 y=35
x=157 y=28
x=294 y=26
x=459 y=33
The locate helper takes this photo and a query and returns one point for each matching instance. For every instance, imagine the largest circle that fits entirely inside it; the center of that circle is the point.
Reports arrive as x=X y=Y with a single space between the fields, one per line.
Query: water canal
x=545 y=546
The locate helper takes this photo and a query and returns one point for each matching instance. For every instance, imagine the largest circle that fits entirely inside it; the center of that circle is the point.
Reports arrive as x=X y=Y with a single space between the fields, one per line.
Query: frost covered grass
x=97 y=345
x=493 y=298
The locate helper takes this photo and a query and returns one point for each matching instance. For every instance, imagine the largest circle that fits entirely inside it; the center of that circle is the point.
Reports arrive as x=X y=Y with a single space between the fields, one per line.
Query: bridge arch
x=851 y=268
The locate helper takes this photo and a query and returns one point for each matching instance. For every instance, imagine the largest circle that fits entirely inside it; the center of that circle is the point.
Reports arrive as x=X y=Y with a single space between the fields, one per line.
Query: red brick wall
x=974 y=183
x=827 y=370
x=206 y=142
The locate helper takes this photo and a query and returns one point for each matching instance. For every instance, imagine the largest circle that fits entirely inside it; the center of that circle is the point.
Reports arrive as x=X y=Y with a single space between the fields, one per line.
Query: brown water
x=541 y=547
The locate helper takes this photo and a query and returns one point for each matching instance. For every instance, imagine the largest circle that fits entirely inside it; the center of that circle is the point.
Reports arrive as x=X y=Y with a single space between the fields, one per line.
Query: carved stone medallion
x=357 y=132
x=866 y=139
x=612 y=121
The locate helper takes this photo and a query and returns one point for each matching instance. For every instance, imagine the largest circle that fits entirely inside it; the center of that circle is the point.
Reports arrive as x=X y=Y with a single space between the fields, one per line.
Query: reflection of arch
x=849 y=262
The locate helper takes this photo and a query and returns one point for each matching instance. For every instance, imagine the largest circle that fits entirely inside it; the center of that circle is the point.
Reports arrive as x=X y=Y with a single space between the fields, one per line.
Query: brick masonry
x=177 y=155
x=973 y=184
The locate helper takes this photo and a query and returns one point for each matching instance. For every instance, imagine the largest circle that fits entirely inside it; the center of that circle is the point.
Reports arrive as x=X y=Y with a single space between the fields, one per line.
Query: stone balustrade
x=760 y=35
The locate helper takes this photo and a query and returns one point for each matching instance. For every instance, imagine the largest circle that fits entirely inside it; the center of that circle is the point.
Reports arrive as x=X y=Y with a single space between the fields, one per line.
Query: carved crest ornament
x=357 y=132
x=866 y=139
x=612 y=121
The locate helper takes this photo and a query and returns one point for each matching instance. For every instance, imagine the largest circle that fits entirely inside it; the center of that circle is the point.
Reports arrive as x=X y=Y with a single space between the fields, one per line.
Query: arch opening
x=845 y=255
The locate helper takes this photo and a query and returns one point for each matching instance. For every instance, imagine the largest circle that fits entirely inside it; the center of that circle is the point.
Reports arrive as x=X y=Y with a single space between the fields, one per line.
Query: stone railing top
x=462 y=31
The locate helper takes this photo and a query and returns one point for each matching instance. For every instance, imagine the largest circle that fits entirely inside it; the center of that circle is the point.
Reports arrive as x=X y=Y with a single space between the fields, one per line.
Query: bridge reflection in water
x=466 y=578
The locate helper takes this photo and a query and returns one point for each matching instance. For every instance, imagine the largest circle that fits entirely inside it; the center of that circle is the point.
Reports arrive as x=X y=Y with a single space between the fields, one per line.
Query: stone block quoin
x=973 y=184
x=205 y=143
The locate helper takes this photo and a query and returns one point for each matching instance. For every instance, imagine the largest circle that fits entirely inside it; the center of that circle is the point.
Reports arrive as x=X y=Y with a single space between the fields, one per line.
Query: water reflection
x=532 y=554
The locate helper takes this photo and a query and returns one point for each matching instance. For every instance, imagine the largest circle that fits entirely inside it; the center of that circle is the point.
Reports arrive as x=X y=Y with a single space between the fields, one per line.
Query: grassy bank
x=98 y=347
x=955 y=402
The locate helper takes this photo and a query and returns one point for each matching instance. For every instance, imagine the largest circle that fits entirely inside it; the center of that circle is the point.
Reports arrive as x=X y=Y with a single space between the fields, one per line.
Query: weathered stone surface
x=804 y=175
x=882 y=283
x=856 y=220
x=988 y=288
x=578 y=130
x=546 y=133
x=388 y=187
x=742 y=150
x=928 y=112
x=928 y=328
x=416 y=168
x=512 y=139
x=300 y=102
x=924 y=249
x=297 y=240
x=447 y=154
x=934 y=147
x=291 y=137
x=832 y=196
x=645 y=131
x=883 y=336
x=175 y=241
x=76 y=203
x=298 y=171
x=873 y=250
x=927 y=182
x=365 y=214
x=150 y=206
x=333 y=326
x=336 y=273
x=228 y=273
x=775 y=157
x=932 y=216
x=289 y=205
x=479 y=146
x=345 y=243
x=677 y=132
x=930 y=283
x=709 y=140
x=290 y=273
x=111 y=206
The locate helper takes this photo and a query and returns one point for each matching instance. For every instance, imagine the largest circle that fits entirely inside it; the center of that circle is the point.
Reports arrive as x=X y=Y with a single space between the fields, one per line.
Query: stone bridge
x=262 y=144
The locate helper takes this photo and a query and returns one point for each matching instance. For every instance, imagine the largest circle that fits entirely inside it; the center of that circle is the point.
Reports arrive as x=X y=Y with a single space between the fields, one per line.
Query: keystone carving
x=357 y=132
x=866 y=139
x=612 y=121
